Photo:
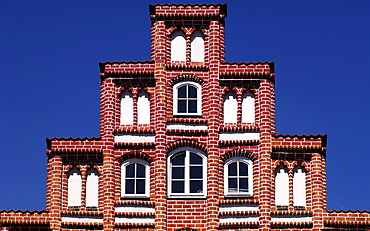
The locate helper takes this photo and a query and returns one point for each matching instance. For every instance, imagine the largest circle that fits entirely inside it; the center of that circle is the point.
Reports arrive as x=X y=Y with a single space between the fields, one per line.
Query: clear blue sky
x=49 y=54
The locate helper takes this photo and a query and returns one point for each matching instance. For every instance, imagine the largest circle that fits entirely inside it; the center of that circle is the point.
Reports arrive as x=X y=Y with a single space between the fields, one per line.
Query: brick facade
x=166 y=197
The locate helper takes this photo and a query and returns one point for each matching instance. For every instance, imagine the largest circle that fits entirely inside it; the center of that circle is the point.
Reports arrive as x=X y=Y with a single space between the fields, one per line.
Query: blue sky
x=49 y=54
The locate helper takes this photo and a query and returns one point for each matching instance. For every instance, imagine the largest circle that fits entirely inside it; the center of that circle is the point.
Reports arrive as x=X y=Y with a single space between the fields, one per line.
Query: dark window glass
x=130 y=170
x=178 y=186
x=233 y=185
x=181 y=106
x=140 y=170
x=182 y=92
x=196 y=172
x=243 y=169
x=243 y=185
x=130 y=186
x=233 y=169
x=192 y=92
x=140 y=186
x=178 y=172
x=192 y=106
x=195 y=159
x=179 y=160
x=196 y=186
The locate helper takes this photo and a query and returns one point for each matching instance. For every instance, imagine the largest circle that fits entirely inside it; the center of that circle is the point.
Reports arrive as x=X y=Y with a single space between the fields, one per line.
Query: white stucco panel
x=291 y=218
x=239 y=136
x=134 y=138
x=82 y=219
x=225 y=208
x=187 y=126
x=147 y=209
x=239 y=219
x=134 y=219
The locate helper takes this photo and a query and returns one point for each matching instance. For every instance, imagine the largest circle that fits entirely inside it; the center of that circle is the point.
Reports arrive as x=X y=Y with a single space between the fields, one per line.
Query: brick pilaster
x=56 y=193
x=265 y=98
x=160 y=125
x=213 y=126
x=317 y=192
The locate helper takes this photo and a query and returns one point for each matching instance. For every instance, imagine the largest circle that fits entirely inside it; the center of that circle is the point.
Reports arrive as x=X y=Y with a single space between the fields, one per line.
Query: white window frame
x=250 y=176
x=123 y=177
x=187 y=173
x=198 y=87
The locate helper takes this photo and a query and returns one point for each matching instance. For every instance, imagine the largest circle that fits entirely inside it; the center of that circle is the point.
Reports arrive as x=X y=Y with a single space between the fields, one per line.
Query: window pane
x=130 y=170
x=232 y=169
x=192 y=106
x=179 y=160
x=140 y=169
x=178 y=186
x=243 y=185
x=233 y=185
x=178 y=172
x=196 y=186
x=195 y=159
x=182 y=92
x=129 y=186
x=192 y=92
x=243 y=169
x=196 y=172
x=181 y=106
x=140 y=186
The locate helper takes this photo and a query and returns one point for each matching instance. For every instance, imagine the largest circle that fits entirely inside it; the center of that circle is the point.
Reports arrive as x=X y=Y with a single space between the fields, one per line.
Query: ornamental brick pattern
x=215 y=205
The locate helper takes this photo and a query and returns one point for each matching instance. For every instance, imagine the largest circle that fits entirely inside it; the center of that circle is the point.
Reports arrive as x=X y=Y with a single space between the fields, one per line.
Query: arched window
x=143 y=108
x=187 y=98
x=74 y=187
x=197 y=46
x=281 y=186
x=187 y=172
x=127 y=108
x=92 y=187
x=299 y=186
x=248 y=109
x=230 y=108
x=238 y=177
x=178 y=46
x=135 y=178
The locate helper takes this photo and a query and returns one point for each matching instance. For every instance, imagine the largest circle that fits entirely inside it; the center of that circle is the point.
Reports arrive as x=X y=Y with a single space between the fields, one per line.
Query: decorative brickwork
x=147 y=170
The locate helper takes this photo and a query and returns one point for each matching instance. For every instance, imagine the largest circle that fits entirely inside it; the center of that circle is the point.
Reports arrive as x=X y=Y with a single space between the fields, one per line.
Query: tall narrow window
x=92 y=187
x=187 y=172
x=282 y=186
x=178 y=46
x=74 y=187
x=197 y=46
x=135 y=178
x=230 y=107
x=187 y=98
x=143 y=108
x=127 y=108
x=299 y=186
x=238 y=178
x=248 y=109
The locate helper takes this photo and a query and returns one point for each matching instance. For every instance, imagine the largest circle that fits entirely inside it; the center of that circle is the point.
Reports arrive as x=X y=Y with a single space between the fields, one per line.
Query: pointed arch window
x=197 y=46
x=230 y=107
x=143 y=108
x=178 y=46
x=92 y=187
x=248 y=108
x=281 y=186
x=74 y=187
x=299 y=186
x=127 y=108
